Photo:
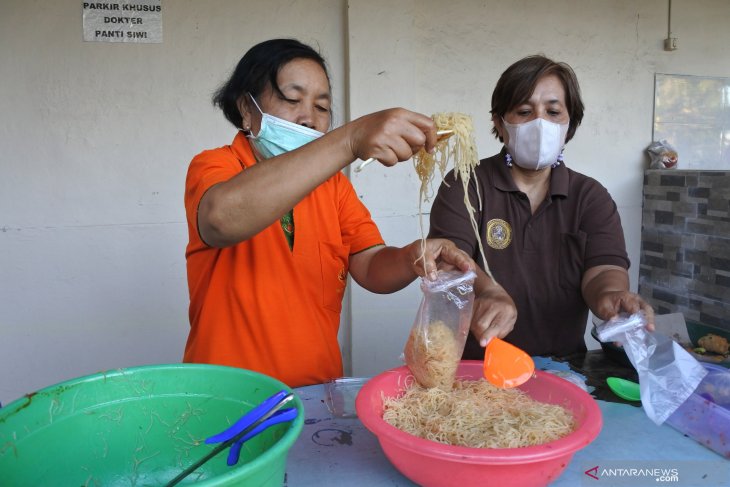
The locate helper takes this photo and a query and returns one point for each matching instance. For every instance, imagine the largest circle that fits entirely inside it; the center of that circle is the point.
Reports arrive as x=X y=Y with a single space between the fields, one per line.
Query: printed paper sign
x=123 y=21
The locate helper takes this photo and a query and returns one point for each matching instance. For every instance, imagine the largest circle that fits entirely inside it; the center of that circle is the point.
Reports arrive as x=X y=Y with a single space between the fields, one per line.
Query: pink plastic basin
x=433 y=464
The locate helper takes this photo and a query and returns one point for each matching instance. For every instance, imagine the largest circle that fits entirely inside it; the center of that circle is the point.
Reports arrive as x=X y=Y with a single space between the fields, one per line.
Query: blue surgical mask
x=535 y=144
x=277 y=136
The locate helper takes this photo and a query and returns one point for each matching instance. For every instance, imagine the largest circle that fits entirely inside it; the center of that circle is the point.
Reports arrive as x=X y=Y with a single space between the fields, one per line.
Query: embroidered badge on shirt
x=499 y=234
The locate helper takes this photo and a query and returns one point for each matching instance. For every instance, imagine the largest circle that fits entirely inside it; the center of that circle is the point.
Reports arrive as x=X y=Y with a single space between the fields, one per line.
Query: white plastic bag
x=667 y=372
x=436 y=342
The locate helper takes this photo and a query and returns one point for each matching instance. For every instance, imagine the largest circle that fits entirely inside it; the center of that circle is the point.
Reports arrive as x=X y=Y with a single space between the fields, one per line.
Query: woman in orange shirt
x=275 y=227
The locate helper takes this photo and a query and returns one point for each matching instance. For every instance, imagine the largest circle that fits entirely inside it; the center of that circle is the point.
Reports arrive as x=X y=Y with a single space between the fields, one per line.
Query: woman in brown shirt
x=552 y=236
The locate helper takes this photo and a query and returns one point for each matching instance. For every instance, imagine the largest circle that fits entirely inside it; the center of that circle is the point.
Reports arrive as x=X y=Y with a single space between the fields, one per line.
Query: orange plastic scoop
x=505 y=365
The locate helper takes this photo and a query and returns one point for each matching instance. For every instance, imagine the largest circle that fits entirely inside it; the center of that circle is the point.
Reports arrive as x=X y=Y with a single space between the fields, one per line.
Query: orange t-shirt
x=260 y=305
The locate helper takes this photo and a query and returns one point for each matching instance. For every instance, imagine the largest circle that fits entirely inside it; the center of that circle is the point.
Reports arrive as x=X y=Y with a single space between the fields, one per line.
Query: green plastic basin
x=142 y=426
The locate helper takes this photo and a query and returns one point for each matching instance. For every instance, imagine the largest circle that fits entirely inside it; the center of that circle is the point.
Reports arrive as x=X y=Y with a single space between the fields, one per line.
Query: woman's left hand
x=494 y=313
x=438 y=254
x=605 y=290
x=611 y=303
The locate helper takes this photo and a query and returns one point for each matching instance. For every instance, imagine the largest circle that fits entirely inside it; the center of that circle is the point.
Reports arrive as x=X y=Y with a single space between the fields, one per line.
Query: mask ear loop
x=247 y=130
x=254 y=102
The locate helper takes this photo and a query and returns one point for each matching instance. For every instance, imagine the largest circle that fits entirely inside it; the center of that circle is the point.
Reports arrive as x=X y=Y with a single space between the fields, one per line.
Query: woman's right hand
x=494 y=313
x=391 y=136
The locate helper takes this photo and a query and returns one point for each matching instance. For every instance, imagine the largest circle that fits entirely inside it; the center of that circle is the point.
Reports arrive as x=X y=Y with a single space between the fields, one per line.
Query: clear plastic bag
x=668 y=374
x=662 y=155
x=439 y=332
x=571 y=377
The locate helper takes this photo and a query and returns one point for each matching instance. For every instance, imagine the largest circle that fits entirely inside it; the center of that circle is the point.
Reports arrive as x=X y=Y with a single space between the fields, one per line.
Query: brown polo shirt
x=539 y=259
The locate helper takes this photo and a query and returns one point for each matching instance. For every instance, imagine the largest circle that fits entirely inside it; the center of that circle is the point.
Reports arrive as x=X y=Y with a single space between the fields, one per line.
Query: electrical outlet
x=670 y=44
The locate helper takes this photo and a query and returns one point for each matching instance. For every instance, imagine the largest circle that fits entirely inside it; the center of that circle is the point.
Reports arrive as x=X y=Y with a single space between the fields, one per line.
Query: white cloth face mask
x=535 y=144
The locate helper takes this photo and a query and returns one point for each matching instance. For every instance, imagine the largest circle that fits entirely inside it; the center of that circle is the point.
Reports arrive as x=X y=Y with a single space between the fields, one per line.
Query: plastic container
x=433 y=464
x=340 y=396
x=705 y=415
x=142 y=426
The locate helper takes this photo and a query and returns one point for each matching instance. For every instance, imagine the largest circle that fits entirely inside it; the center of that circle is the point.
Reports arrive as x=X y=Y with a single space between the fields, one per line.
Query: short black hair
x=517 y=83
x=258 y=68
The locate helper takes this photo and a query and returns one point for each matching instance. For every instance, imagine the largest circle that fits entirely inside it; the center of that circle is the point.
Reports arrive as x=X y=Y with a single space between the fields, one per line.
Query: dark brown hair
x=517 y=83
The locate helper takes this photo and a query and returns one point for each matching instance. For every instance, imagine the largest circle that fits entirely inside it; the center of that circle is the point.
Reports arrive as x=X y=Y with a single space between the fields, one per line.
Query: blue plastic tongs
x=266 y=414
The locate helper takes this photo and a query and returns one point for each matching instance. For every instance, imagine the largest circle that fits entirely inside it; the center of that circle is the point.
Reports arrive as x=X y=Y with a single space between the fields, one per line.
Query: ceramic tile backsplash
x=693 y=114
x=685 y=244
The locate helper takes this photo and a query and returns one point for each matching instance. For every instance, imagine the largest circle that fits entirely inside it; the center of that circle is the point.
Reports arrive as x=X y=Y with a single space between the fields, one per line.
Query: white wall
x=96 y=139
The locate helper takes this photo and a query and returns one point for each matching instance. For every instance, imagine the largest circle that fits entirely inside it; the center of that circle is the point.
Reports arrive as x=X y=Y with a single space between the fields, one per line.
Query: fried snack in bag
x=436 y=342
